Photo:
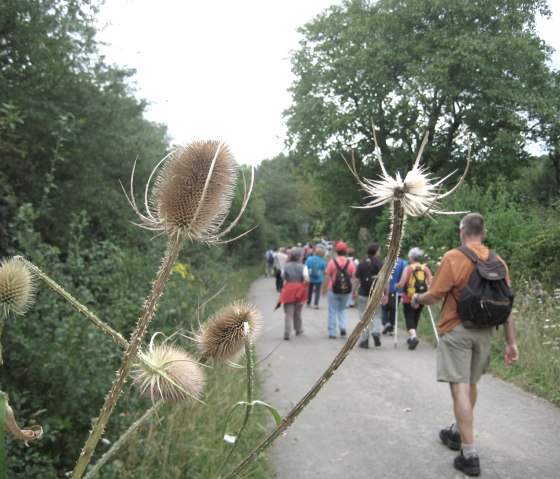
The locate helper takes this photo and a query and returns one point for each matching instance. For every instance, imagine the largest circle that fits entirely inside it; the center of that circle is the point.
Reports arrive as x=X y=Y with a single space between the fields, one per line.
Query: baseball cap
x=341 y=247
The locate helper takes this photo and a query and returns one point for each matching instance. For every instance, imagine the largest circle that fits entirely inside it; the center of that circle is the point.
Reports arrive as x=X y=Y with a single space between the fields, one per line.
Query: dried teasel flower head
x=17 y=286
x=169 y=373
x=418 y=193
x=193 y=192
x=222 y=337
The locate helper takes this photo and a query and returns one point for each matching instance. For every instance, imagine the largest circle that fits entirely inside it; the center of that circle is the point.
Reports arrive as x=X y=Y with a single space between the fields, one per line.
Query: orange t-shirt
x=451 y=277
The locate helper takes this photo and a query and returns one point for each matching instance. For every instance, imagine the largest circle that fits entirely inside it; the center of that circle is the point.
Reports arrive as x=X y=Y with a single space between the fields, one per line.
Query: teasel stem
x=125 y=437
x=117 y=337
x=397 y=231
x=173 y=248
x=249 y=404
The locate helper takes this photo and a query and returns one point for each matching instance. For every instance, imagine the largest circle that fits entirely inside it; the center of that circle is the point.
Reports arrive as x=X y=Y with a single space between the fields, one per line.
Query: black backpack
x=487 y=299
x=342 y=284
x=371 y=273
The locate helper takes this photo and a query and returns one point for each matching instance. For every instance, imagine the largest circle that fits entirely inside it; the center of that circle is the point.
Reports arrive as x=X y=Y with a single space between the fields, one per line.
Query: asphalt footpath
x=379 y=415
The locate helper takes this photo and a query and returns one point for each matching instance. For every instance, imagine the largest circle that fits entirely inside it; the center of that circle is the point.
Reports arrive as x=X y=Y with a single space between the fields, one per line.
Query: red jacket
x=293 y=293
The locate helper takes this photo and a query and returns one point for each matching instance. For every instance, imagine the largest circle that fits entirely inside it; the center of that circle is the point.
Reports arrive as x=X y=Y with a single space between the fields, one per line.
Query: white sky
x=220 y=69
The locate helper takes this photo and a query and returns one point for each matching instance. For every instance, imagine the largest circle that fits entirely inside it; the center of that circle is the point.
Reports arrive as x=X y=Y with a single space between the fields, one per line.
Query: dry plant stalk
x=191 y=199
x=416 y=195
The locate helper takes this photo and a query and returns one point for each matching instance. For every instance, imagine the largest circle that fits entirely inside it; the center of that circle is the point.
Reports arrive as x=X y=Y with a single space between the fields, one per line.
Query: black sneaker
x=470 y=466
x=451 y=439
x=376 y=339
x=386 y=328
x=343 y=332
x=413 y=342
x=364 y=344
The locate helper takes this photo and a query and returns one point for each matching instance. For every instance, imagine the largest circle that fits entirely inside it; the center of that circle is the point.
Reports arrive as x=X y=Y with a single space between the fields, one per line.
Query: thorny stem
x=115 y=447
x=249 y=406
x=374 y=299
x=173 y=248
x=117 y=337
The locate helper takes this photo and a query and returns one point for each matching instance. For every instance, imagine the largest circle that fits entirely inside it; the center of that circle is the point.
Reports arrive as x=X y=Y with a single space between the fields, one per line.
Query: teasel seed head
x=169 y=373
x=418 y=193
x=223 y=335
x=193 y=192
x=17 y=286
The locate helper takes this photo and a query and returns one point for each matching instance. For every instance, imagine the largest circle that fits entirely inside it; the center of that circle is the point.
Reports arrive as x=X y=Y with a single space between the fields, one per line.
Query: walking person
x=390 y=308
x=294 y=292
x=415 y=278
x=268 y=262
x=316 y=266
x=338 y=287
x=280 y=260
x=463 y=354
x=366 y=272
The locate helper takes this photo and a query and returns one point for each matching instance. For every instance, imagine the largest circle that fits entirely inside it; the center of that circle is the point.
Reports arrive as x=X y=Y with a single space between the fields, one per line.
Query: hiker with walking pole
x=475 y=284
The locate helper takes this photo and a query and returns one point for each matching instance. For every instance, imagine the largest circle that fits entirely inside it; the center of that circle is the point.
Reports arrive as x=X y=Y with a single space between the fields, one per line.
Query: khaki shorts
x=463 y=354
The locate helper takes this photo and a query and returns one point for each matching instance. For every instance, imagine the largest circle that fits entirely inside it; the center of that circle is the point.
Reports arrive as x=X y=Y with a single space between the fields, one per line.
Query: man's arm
x=424 y=298
x=511 y=353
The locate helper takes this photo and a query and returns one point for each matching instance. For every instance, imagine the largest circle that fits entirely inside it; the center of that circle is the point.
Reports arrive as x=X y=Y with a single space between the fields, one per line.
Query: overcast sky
x=220 y=69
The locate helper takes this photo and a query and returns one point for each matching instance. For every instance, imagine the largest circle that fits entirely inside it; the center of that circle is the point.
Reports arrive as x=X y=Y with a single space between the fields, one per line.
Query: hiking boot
x=299 y=332
x=387 y=328
x=332 y=337
x=364 y=344
x=412 y=342
x=451 y=439
x=376 y=339
x=316 y=306
x=343 y=332
x=470 y=466
x=287 y=337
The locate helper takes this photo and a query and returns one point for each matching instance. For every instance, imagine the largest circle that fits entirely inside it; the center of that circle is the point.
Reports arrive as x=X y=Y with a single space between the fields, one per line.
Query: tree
x=421 y=65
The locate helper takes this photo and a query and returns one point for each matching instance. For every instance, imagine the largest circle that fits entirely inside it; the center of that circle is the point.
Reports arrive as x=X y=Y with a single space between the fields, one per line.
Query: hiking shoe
x=376 y=339
x=412 y=342
x=364 y=344
x=451 y=439
x=332 y=337
x=387 y=328
x=299 y=332
x=343 y=332
x=316 y=306
x=470 y=466
x=287 y=337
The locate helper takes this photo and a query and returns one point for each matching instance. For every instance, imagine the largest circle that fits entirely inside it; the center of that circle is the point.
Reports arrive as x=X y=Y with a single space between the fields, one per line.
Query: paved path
x=379 y=415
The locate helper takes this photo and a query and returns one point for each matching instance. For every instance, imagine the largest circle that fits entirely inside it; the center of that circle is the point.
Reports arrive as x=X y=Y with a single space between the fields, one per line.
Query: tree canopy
x=423 y=65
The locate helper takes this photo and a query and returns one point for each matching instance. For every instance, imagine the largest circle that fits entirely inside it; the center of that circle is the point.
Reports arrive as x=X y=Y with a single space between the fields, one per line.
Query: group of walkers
x=463 y=350
x=346 y=281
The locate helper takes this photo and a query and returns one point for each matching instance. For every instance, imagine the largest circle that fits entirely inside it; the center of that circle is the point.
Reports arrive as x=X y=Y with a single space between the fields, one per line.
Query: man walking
x=463 y=354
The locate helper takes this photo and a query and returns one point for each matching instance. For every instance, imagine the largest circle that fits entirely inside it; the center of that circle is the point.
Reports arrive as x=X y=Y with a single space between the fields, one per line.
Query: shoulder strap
x=469 y=253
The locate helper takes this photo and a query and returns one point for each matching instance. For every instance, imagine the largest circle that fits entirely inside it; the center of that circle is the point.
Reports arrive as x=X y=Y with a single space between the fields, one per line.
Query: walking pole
x=433 y=323
x=396 y=326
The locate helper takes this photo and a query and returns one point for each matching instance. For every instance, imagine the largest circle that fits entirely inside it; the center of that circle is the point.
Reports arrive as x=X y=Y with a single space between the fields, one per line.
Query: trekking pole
x=396 y=326
x=433 y=323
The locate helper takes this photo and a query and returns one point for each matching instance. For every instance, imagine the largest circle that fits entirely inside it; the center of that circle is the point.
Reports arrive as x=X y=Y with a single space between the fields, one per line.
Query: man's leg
x=464 y=400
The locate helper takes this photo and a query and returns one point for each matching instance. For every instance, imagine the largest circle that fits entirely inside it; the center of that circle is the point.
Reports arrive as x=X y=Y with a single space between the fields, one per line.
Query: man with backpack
x=366 y=272
x=415 y=279
x=466 y=337
x=338 y=284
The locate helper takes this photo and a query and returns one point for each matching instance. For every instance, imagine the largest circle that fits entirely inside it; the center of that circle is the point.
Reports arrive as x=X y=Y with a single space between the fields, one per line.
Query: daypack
x=417 y=281
x=487 y=299
x=370 y=276
x=342 y=284
x=269 y=257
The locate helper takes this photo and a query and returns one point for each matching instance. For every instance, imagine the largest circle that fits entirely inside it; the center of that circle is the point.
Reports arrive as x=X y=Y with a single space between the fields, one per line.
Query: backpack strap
x=472 y=255
x=338 y=266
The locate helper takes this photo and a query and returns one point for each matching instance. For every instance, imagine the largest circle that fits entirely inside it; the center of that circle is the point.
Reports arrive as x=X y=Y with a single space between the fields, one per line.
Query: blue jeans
x=374 y=326
x=337 y=309
x=314 y=288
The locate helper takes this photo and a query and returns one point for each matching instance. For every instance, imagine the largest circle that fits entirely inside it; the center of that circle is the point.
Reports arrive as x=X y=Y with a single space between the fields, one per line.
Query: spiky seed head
x=169 y=373
x=17 y=286
x=194 y=190
x=223 y=336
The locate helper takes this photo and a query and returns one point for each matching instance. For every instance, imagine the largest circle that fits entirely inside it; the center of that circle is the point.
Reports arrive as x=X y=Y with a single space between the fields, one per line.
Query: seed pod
x=169 y=373
x=223 y=336
x=194 y=190
x=17 y=286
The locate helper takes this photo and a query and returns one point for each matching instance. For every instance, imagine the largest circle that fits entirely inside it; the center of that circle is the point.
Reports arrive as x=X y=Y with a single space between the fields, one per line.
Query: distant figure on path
x=463 y=354
x=294 y=293
x=366 y=272
x=390 y=309
x=280 y=260
x=338 y=286
x=316 y=266
x=413 y=276
x=268 y=263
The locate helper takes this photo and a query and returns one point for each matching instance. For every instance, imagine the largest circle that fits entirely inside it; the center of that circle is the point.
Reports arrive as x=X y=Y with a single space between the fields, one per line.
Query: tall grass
x=188 y=442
